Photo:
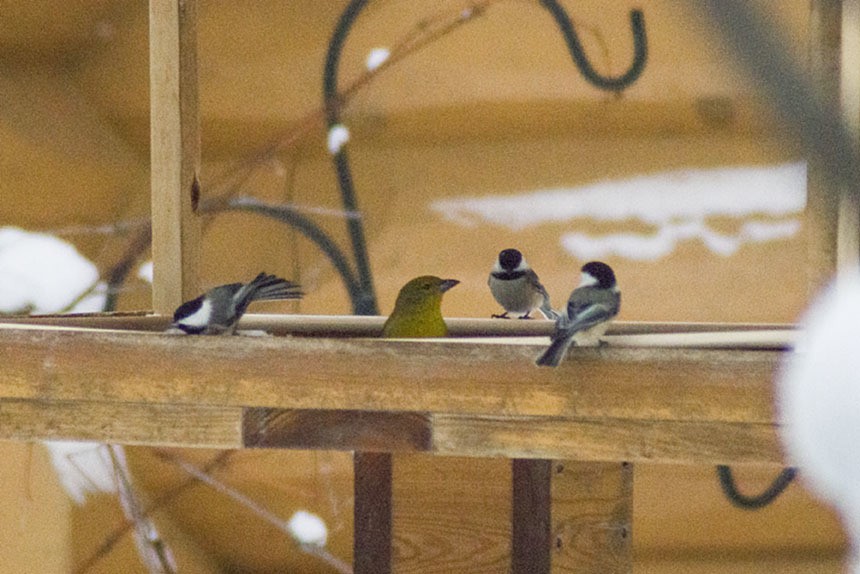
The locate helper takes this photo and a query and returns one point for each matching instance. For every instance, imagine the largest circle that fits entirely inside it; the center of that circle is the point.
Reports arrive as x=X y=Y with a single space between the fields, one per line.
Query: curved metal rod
x=574 y=46
x=117 y=275
x=332 y=108
x=730 y=489
x=306 y=227
x=367 y=300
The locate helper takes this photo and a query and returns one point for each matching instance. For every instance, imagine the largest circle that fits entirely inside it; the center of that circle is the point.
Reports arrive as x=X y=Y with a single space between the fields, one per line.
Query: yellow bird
x=418 y=309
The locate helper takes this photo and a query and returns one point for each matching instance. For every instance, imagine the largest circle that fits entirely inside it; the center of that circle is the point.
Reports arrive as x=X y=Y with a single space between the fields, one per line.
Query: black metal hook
x=730 y=489
x=366 y=303
x=574 y=46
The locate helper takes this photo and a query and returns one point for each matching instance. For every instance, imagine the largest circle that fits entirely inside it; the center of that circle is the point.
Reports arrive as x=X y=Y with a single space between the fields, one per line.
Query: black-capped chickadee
x=217 y=311
x=590 y=309
x=516 y=287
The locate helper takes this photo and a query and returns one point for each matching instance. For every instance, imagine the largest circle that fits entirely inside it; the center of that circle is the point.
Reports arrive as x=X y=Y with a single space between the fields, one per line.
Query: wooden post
x=822 y=204
x=531 y=533
x=175 y=151
x=848 y=243
x=372 y=513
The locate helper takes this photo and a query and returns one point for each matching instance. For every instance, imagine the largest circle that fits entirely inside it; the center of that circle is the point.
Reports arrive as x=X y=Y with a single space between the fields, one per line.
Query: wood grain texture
x=685 y=442
x=163 y=425
x=451 y=515
x=684 y=405
x=336 y=430
x=592 y=517
x=531 y=527
x=388 y=375
x=372 y=538
x=174 y=152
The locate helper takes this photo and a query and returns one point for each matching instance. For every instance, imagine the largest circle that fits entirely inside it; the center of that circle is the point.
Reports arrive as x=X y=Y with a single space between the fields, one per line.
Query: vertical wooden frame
x=848 y=240
x=822 y=204
x=833 y=211
x=174 y=152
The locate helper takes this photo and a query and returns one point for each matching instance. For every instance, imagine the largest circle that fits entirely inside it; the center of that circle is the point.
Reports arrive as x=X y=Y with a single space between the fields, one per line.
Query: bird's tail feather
x=270 y=287
x=555 y=352
x=266 y=287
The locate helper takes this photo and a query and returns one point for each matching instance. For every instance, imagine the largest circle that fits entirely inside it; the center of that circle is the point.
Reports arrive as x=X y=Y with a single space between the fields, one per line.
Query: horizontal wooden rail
x=452 y=397
x=719 y=334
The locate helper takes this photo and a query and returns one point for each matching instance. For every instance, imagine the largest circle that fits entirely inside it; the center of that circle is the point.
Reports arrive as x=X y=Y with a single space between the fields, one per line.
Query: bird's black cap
x=510 y=259
x=601 y=272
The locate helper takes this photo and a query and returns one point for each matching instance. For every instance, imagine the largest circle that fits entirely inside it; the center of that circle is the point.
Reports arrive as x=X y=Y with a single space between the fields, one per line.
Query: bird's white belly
x=514 y=295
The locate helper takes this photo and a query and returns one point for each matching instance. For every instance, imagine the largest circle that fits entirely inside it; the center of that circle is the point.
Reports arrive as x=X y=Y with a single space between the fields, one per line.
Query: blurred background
x=486 y=138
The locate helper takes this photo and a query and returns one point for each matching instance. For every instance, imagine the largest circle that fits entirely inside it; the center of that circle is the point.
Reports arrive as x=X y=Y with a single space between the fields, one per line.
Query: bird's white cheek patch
x=199 y=318
x=587 y=280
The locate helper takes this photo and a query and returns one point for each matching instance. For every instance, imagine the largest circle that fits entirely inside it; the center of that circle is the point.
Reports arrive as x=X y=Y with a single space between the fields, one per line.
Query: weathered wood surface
x=174 y=151
x=474 y=399
x=451 y=515
x=592 y=517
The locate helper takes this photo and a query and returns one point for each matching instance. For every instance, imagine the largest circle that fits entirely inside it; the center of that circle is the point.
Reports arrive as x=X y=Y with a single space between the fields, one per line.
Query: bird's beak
x=447 y=284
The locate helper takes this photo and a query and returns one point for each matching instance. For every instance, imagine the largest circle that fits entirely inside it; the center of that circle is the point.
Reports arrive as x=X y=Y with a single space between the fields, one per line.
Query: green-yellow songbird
x=418 y=309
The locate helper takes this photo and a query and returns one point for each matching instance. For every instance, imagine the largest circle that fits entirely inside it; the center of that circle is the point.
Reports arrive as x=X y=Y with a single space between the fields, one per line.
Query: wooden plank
x=684 y=442
x=388 y=375
x=592 y=517
x=164 y=425
x=175 y=151
x=781 y=335
x=822 y=203
x=451 y=515
x=369 y=431
x=372 y=538
x=531 y=539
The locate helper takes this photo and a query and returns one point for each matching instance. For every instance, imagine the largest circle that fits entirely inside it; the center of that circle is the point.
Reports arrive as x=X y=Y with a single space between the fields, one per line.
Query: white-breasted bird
x=217 y=311
x=590 y=309
x=516 y=287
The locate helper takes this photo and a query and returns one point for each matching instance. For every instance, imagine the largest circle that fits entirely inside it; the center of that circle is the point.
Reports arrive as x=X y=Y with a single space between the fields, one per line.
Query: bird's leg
x=526 y=316
x=502 y=316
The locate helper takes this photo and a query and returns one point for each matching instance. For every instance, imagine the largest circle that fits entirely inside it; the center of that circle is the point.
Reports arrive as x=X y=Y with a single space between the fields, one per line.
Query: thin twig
x=114 y=537
x=156 y=555
x=257 y=509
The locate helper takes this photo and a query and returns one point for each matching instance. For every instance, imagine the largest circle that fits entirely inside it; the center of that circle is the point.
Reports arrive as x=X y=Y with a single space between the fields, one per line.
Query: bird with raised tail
x=590 y=309
x=217 y=311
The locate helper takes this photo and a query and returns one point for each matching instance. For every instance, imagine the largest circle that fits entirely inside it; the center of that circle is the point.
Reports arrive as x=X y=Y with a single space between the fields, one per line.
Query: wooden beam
x=531 y=532
x=671 y=442
x=372 y=538
x=368 y=431
x=388 y=375
x=443 y=397
x=175 y=151
x=157 y=425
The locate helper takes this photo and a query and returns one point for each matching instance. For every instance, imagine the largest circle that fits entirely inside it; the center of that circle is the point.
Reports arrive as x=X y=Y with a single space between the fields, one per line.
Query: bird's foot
x=502 y=316
x=526 y=316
